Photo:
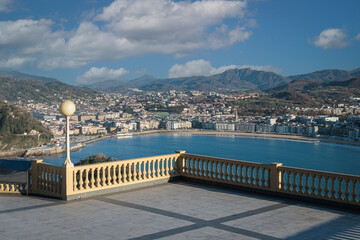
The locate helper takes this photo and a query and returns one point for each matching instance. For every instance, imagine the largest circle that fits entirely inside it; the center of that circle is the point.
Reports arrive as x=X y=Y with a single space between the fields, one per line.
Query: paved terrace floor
x=173 y=211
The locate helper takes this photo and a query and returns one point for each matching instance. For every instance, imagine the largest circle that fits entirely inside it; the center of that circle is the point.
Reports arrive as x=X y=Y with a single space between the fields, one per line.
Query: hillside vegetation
x=13 y=89
x=14 y=122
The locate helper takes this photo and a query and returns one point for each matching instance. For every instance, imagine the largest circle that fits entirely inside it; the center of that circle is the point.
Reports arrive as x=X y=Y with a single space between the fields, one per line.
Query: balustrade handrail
x=125 y=161
x=227 y=160
x=311 y=171
x=65 y=181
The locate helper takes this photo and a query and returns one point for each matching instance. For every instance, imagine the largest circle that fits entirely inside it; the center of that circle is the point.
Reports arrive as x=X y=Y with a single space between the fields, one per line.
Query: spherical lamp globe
x=67 y=108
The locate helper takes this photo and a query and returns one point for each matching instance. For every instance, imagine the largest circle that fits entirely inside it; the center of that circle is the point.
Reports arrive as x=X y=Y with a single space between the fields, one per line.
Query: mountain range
x=20 y=86
x=16 y=85
x=233 y=79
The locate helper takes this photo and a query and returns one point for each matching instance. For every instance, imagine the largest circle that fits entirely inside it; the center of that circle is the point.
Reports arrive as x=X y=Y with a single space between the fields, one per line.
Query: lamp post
x=67 y=108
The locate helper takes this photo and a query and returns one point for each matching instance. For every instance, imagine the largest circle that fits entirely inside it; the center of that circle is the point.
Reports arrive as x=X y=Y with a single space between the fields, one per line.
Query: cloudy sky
x=87 y=41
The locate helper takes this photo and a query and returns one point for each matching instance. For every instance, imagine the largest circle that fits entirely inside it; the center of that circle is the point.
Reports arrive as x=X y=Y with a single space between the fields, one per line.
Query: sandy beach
x=260 y=135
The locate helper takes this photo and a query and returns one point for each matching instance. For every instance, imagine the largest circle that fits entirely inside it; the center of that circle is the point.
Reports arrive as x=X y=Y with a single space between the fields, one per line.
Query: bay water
x=293 y=153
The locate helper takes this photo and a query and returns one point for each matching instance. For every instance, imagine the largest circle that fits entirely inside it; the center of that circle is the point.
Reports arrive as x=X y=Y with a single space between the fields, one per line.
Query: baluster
x=152 y=168
x=212 y=172
x=81 y=180
x=340 y=192
x=165 y=166
x=282 y=179
x=257 y=176
x=216 y=170
x=118 y=174
x=236 y=172
x=354 y=200
x=141 y=170
x=288 y=184
x=92 y=180
x=333 y=196
x=147 y=169
x=247 y=174
x=103 y=176
x=241 y=177
x=74 y=181
x=191 y=166
x=111 y=175
x=198 y=167
x=166 y=163
x=307 y=183
x=206 y=170
x=319 y=186
x=172 y=167
x=131 y=172
x=313 y=185
x=51 y=187
x=158 y=167
x=222 y=173
x=227 y=172
x=326 y=190
x=202 y=169
x=136 y=171
x=231 y=173
x=252 y=175
x=263 y=176
x=128 y=172
x=96 y=177
x=86 y=178
x=347 y=193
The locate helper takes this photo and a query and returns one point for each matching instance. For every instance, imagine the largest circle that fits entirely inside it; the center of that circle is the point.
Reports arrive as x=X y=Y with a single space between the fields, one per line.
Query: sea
x=293 y=153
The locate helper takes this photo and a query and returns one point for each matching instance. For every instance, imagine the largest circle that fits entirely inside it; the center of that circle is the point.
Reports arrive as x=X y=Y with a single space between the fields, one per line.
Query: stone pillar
x=34 y=176
x=180 y=160
x=67 y=183
x=275 y=176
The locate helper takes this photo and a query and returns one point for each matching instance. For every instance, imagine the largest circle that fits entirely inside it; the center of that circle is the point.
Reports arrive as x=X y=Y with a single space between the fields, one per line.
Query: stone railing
x=318 y=184
x=94 y=179
x=46 y=179
x=110 y=175
x=275 y=178
x=222 y=170
x=13 y=188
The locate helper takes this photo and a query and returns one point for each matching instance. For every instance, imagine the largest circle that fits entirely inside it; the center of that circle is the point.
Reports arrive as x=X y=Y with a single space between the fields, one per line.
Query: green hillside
x=14 y=122
x=44 y=92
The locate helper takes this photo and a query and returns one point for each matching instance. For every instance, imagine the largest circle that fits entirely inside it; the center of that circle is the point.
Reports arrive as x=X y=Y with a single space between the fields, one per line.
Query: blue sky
x=87 y=41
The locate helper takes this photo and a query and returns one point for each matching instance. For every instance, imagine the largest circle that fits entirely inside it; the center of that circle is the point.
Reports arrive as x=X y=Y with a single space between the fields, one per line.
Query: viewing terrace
x=180 y=196
x=177 y=196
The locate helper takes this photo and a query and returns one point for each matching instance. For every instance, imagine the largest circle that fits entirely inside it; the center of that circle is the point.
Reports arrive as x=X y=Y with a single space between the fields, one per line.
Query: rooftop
x=180 y=210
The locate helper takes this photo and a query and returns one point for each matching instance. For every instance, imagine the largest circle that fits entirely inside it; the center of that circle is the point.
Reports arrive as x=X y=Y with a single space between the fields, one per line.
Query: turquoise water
x=311 y=155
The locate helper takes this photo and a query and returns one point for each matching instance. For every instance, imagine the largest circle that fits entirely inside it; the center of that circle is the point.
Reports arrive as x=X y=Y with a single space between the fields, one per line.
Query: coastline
x=39 y=152
x=260 y=135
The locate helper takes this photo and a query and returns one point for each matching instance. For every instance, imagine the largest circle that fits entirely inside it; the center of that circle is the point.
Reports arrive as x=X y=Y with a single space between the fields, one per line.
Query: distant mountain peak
x=20 y=75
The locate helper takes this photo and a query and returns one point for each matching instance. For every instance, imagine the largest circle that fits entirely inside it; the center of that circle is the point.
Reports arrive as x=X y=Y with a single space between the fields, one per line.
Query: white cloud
x=357 y=37
x=101 y=74
x=5 y=5
x=126 y=28
x=203 y=68
x=331 y=38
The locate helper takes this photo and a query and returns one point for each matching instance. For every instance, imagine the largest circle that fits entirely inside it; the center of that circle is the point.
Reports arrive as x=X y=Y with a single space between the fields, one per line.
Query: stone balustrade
x=46 y=179
x=321 y=185
x=222 y=170
x=100 y=176
x=88 y=180
x=12 y=187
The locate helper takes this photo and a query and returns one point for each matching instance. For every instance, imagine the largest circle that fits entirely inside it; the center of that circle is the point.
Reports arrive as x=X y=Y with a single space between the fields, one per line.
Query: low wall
x=89 y=180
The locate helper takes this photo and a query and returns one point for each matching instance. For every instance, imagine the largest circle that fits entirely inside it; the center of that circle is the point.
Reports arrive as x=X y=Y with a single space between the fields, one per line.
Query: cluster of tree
x=14 y=122
x=99 y=158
